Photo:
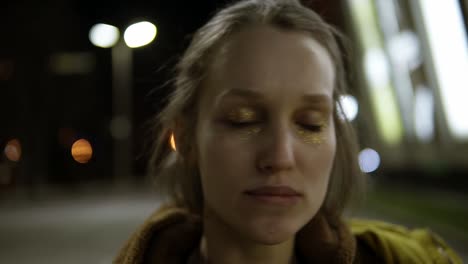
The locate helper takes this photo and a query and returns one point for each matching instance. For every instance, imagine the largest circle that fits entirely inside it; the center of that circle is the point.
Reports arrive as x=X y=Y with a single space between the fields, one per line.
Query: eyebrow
x=321 y=100
x=240 y=93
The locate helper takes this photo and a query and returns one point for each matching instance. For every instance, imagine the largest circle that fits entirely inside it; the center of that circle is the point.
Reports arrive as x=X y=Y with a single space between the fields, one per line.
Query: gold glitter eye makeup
x=312 y=134
x=246 y=120
x=243 y=116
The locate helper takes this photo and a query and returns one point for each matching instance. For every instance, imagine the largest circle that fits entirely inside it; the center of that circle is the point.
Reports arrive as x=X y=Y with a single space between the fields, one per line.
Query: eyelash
x=312 y=128
x=241 y=124
x=315 y=128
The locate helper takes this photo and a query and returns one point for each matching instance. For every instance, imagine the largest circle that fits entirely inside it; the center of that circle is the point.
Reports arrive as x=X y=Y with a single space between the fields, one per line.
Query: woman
x=264 y=165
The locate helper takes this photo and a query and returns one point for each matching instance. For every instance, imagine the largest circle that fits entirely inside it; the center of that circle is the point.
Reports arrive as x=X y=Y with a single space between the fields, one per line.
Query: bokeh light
x=405 y=49
x=424 y=114
x=369 y=160
x=82 y=151
x=140 y=34
x=13 y=150
x=377 y=70
x=172 y=142
x=350 y=107
x=103 y=35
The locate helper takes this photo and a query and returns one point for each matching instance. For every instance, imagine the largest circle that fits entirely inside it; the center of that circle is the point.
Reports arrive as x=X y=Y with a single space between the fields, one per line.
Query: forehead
x=272 y=62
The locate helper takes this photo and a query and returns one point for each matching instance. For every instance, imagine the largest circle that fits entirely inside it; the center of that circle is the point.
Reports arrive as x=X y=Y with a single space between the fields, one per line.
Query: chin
x=273 y=234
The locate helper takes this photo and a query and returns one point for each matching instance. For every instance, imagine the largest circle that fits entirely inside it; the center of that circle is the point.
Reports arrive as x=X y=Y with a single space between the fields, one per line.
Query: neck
x=222 y=244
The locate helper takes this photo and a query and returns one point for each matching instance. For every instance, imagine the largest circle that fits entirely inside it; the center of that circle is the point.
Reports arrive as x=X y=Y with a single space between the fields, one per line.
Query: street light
x=140 y=34
x=135 y=35
x=103 y=35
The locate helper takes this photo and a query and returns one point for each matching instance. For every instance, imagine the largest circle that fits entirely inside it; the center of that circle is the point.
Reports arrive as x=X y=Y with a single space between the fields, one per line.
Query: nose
x=277 y=151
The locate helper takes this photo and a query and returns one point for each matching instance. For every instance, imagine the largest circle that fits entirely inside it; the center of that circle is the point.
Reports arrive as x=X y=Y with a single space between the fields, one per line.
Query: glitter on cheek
x=313 y=137
x=249 y=132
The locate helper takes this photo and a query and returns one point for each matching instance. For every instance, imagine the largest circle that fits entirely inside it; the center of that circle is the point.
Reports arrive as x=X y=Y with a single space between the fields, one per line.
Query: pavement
x=82 y=225
x=68 y=229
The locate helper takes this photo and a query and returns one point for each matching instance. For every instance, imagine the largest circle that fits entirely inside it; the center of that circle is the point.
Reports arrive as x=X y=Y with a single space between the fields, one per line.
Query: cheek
x=327 y=155
x=318 y=164
x=223 y=162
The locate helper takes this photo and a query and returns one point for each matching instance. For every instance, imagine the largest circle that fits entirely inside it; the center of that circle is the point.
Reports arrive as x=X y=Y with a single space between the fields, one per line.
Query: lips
x=273 y=191
x=282 y=196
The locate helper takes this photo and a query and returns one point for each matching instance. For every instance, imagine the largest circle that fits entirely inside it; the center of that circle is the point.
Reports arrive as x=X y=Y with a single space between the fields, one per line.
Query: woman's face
x=265 y=135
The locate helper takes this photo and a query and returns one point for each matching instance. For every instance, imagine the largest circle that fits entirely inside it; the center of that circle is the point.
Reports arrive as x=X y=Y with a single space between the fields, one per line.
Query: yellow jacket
x=397 y=244
x=172 y=235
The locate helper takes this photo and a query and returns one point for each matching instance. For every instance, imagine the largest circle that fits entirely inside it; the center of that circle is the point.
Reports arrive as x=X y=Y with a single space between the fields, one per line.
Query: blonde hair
x=177 y=174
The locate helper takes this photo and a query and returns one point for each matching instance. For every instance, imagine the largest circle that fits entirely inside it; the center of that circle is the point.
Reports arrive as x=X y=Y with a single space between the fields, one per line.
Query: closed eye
x=237 y=124
x=316 y=128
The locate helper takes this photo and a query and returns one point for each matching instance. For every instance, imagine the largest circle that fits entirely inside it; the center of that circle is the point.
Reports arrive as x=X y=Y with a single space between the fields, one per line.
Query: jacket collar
x=171 y=234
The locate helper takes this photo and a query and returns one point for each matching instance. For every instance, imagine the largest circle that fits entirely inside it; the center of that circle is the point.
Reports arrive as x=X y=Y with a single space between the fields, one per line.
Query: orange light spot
x=82 y=151
x=13 y=150
x=172 y=141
